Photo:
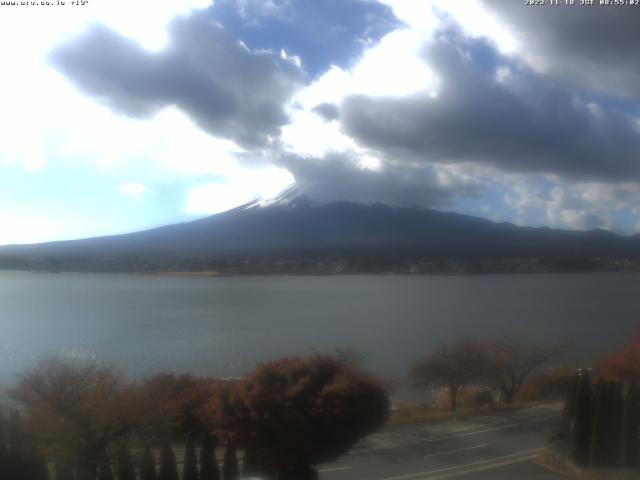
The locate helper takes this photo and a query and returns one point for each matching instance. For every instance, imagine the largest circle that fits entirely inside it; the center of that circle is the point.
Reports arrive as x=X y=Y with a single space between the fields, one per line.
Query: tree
x=29 y=466
x=294 y=413
x=173 y=405
x=251 y=464
x=148 y=465
x=230 y=470
x=628 y=454
x=12 y=446
x=124 y=466
x=512 y=361
x=40 y=468
x=623 y=365
x=18 y=437
x=549 y=384
x=64 y=469
x=580 y=432
x=104 y=468
x=614 y=426
x=209 y=469
x=4 y=453
x=600 y=422
x=190 y=464
x=452 y=367
x=19 y=456
x=168 y=464
x=82 y=408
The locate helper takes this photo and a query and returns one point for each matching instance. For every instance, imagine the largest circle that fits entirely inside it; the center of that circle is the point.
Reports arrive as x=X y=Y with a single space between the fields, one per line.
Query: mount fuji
x=293 y=228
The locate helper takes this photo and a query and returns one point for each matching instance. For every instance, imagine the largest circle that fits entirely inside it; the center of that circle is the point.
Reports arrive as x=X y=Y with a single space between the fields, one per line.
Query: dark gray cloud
x=593 y=46
x=514 y=120
x=490 y=110
x=328 y=111
x=340 y=177
x=228 y=90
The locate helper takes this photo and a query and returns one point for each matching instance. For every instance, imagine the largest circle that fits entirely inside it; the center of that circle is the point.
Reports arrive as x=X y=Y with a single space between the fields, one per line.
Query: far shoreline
x=218 y=274
x=209 y=273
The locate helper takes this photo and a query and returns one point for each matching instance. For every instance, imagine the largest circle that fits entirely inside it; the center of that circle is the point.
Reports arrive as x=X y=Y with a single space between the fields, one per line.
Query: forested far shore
x=362 y=263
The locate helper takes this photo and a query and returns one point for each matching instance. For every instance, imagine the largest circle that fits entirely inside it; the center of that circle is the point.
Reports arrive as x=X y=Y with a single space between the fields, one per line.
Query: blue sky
x=118 y=117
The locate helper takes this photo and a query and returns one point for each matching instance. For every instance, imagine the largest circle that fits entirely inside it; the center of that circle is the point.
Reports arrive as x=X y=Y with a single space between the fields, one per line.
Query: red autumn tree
x=294 y=413
x=173 y=405
x=623 y=365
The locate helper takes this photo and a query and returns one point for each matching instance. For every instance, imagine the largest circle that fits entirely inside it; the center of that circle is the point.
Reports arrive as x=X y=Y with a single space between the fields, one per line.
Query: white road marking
x=492 y=429
x=458 y=450
x=525 y=455
x=485 y=467
x=334 y=469
x=455 y=435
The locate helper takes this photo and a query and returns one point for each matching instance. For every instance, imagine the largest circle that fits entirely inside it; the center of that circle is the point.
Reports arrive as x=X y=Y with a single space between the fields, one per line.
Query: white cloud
x=46 y=122
x=393 y=67
x=264 y=8
x=368 y=162
x=134 y=190
x=478 y=21
x=37 y=28
x=16 y=228
x=245 y=186
x=294 y=59
x=418 y=14
x=574 y=205
x=48 y=125
x=474 y=18
x=180 y=146
x=144 y=20
x=309 y=134
x=41 y=113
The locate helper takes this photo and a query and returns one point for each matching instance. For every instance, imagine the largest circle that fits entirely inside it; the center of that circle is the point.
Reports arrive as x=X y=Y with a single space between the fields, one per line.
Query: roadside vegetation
x=599 y=430
x=86 y=422
x=471 y=374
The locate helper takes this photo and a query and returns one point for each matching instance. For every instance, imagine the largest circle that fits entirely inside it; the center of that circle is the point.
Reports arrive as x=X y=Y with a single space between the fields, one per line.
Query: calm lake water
x=223 y=326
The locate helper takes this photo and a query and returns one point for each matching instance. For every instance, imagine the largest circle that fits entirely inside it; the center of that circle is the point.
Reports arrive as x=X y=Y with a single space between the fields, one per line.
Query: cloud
x=418 y=15
x=314 y=111
x=393 y=67
x=22 y=150
x=134 y=190
x=15 y=229
x=320 y=33
x=487 y=110
x=356 y=100
x=576 y=205
x=228 y=90
x=340 y=176
x=328 y=111
x=245 y=186
x=479 y=127
x=590 y=46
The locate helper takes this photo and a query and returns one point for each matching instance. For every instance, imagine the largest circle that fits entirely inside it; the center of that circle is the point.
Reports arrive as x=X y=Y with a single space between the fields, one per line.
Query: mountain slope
x=297 y=227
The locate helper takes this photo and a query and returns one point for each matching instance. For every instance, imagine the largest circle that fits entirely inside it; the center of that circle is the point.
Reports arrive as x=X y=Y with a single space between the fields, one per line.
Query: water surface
x=223 y=326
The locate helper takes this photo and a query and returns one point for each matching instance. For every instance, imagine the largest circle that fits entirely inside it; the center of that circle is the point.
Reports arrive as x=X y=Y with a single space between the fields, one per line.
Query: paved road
x=491 y=447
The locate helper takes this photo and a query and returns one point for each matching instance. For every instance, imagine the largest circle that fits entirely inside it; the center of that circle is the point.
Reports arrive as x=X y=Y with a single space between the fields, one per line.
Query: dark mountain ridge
x=336 y=232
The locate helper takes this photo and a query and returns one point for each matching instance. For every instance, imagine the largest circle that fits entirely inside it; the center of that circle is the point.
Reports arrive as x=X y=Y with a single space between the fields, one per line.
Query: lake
x=223 y=326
